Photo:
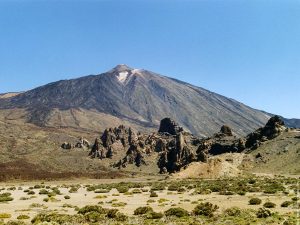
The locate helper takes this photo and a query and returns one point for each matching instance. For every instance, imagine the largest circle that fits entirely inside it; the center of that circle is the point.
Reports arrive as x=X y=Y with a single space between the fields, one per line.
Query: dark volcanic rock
x=176 y=149
x=169 y=126
x=226 y=130
x=273 y=128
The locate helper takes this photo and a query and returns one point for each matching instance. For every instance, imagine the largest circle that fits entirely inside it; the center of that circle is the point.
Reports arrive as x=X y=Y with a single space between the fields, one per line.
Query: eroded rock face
x=274 y=127
x=169 y=126
x=175 y=148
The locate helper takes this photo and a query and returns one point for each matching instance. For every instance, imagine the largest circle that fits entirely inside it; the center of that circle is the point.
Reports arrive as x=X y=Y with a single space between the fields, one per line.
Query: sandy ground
x=83 y=198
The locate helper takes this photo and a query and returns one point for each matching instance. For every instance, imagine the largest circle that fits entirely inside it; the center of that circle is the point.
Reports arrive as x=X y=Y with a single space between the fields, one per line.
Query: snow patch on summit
x=122 y=76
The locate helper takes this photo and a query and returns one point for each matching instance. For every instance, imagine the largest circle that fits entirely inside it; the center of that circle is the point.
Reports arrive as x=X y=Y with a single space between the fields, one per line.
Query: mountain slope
x=138 y=97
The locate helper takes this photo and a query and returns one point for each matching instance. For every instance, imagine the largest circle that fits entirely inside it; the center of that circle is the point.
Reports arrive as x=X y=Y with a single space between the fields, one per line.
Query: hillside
x=280 y=155
x=136 y=97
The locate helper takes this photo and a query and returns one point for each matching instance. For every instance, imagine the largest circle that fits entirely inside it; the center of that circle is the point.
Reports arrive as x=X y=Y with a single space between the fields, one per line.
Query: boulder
x=66 y=145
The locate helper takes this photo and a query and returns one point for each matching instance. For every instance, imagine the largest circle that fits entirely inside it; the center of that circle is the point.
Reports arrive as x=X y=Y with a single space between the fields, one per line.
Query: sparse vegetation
x=143 y=210
x=255 y=201
x=6 y=197
x=269 y=205
x=23 y=217
x=177 y=212
x=203 y=212
x=205 y=209
x=5 y=215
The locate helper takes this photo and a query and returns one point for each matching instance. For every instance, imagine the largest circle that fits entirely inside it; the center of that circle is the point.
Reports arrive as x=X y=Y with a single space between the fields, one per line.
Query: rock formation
x=169 y=126
x=273 y=128
x=175 y=148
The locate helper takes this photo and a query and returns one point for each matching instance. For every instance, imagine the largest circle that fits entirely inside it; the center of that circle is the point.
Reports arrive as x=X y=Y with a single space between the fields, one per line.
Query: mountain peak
x=121 y=68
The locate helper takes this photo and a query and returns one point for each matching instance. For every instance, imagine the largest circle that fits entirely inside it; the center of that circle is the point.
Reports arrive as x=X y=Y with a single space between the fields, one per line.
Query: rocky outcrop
x=176 y=155
x=169 y=126
x=222 y=142
x=175 y=148
x=273 y=128
x=226 y=130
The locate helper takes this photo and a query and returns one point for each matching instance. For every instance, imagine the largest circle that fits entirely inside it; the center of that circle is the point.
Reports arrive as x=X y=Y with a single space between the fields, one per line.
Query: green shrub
x=13 y=222
x=6 y=197
x=263 y=213
x=205 y=209
x=295 y=199
x=153 y=194
x=252 y=181
x=5 y=215
x=269 y=205
x=136 y=191
x=158 y=187
x=121 y=217
x=43 y=192
x=31 y=193
x=119 y=204
x=91 y=208
x=67 y=197
x=142 y=210
x=255 y=201
x=155 y=215
x=178 y=212
x=94 y=217
x=242 y=193
x=23 y=217
x=56 y=218
x=224 y=192
x=122 y=189
x=286 y=204
x=173 y=187
x=37 y=186
x=56 y=190
x=73 y=189
x=181 y=190
x=112 y=213
x=233 y=211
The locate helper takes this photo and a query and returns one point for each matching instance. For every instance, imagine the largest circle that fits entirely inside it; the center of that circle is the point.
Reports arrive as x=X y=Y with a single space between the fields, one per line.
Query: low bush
x=263 y=213
x=5 y=215
x=31 y=192
x=43 y=192
x=153 y=194
x=119 y=204
x=23 y=217
x=224 y=192
x=73 y=189
x=269 y=205
x=178 y=212
x=91 y=208
x=94 y=217
x=234 y=211
x=286 y=204
x=142 y=210
x=122 y=189
x=255 y=201
x=6 y=197
x=15 y=222
x=155 y=215
x=205 y=209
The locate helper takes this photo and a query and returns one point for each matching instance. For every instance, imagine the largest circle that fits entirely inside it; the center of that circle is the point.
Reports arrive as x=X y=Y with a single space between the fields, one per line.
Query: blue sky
x=246 y=50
